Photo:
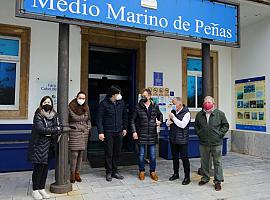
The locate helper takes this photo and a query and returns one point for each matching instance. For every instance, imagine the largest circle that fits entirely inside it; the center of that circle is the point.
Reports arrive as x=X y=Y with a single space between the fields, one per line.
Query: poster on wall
x=250 y=107
x=47 y=88
x=158 y=79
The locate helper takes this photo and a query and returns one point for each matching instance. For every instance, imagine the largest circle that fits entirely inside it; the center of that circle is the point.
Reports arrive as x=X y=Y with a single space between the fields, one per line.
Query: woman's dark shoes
x=117 y=176
x=174 y=177
x=186 y=181
x=217 y=186
x=108 y=177
x=72 y=177
x=77 y=177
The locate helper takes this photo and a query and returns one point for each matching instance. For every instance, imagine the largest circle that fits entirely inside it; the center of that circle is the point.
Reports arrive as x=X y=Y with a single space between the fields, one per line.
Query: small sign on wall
x=158 y=79
x=47 y=88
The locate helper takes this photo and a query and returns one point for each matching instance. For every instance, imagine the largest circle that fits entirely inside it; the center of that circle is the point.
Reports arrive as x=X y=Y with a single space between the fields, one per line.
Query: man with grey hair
x=211 y=126
x=178 y=122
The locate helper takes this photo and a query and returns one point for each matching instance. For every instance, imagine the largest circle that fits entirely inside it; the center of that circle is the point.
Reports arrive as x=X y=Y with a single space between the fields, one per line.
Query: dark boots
x=72 y=177
x=77 y=177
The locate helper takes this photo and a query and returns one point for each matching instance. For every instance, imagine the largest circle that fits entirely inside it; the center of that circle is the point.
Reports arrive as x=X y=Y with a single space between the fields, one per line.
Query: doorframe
x=113 y=39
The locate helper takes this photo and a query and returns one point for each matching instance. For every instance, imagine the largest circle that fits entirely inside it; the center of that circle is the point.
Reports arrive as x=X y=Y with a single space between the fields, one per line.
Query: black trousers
x=112 y=147
x=181 y=149
x=39 y=176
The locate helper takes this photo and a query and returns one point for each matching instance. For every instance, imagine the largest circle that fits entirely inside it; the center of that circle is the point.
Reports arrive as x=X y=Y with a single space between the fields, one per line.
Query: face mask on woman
x=47 y=107
x=81 y=101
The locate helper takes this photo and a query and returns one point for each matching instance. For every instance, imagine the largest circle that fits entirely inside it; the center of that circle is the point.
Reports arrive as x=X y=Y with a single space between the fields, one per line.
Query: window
x=9 y=73
x=192 y=78
x=194 y=82
x=14 y=69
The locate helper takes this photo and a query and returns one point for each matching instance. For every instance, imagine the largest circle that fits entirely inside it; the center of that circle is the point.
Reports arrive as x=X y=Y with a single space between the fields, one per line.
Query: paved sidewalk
x=246 y=178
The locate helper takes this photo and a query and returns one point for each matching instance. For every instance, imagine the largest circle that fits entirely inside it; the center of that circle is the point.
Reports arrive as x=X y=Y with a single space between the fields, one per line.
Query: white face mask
x=80 y=101
x=174 y=107
x=118 y=97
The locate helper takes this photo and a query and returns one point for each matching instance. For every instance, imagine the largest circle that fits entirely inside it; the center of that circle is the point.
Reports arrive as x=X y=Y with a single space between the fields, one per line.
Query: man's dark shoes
x=217 y=186
x=108 y=177
x=186 y=181
x=117 y=176
x=174 y=177
x=203 y=182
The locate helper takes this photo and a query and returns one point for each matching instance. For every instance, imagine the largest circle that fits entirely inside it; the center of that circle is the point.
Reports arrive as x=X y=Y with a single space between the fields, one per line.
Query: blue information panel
x=202 y=19
x=250 y=106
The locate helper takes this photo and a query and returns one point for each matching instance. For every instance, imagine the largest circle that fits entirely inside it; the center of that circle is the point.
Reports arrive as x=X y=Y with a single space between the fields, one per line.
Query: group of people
x=112 y=125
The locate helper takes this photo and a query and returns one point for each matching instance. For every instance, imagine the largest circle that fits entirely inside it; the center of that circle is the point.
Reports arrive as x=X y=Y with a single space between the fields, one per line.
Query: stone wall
x=251 y=143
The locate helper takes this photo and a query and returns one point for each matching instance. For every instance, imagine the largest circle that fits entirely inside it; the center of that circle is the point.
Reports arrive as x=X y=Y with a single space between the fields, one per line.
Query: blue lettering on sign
x=195 y=18
x=49 y=87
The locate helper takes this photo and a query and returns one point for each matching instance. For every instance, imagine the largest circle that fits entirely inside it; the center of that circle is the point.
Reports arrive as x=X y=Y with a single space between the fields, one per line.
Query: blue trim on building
x=262 y=78
x=15 y=127
x=251 y=127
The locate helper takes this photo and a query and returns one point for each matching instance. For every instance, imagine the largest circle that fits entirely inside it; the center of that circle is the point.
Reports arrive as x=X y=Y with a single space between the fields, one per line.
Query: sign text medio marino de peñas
x=193 y=18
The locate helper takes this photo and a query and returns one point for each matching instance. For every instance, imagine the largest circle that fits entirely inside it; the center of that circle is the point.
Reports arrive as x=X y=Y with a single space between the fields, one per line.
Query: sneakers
x=44 y=194
x=154 y=176
x=141 y=175
x=36 y=195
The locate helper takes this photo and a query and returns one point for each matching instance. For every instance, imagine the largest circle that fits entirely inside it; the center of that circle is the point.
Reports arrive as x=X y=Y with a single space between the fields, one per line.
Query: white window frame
x=16 y=60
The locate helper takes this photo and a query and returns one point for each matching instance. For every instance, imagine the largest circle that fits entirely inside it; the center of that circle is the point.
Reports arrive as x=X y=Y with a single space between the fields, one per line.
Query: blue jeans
x=152 y=154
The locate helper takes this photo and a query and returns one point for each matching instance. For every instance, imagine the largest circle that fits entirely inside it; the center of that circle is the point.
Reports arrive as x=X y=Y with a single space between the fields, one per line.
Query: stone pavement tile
x=5 y=197
x=120 y=194
x=26 y=198
x=80 y=197
x=96 y=196
x=108 y=188
x=153 y=196
x=142 y=191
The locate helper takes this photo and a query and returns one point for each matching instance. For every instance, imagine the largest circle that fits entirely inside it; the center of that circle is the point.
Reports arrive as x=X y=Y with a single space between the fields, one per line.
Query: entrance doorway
x=110 y=66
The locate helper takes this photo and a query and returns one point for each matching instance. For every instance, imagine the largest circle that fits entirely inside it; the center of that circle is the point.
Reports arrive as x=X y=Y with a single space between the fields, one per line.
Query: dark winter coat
x=179 y=135
x=43 y=138
x=143 y=122
x=211 y=134
x=112 y=117
x=79 y=117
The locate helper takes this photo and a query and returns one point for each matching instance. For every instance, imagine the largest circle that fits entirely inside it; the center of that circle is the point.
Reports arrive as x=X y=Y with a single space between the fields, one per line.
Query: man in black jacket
x=112 y=122
x=178 y=122
x=145 y=119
